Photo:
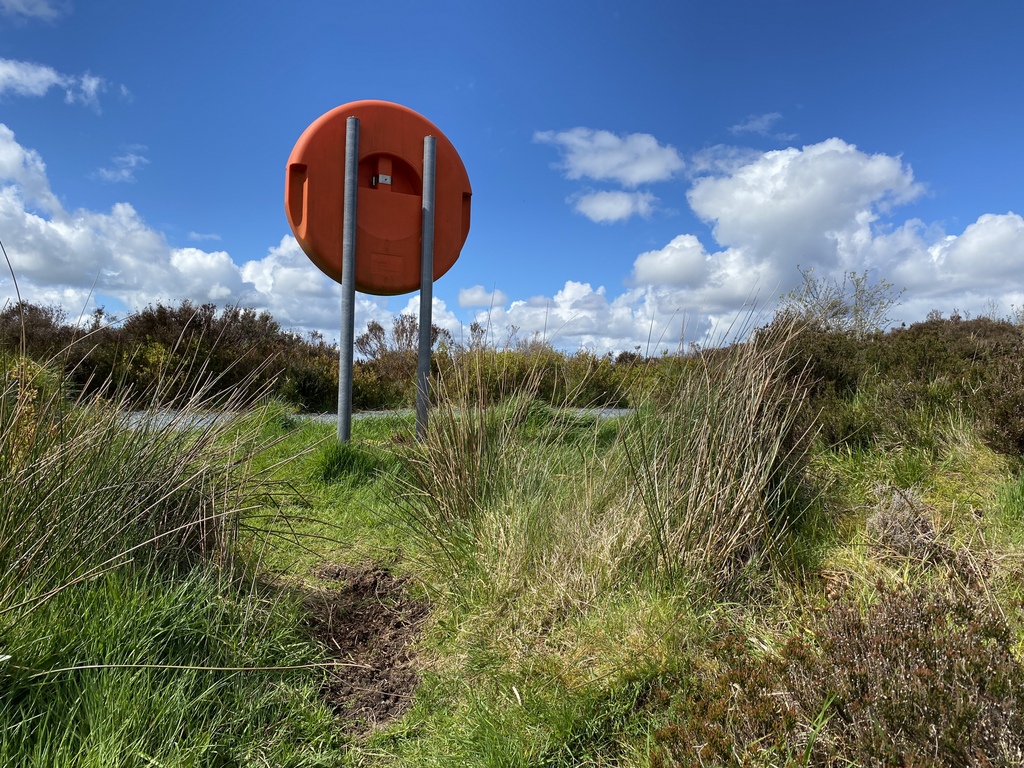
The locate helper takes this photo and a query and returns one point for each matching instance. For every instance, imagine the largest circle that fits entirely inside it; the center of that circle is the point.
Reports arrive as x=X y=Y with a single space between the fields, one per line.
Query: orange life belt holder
x=389 y=205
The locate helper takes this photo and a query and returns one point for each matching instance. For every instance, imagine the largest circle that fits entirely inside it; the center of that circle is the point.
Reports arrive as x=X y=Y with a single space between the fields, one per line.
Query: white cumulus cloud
x=38 y=9
x=987 y=258
x=26 y=169
x=630 y=160
x=818 y=206
x=213 y=275
x=616 y=205
x=796 y=205
x=478 y=296
x=682 y=262
x=25 y=78
x=581 y=316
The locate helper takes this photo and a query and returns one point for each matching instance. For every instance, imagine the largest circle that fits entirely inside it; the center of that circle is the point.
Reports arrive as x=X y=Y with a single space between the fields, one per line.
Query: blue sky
x=635 y=166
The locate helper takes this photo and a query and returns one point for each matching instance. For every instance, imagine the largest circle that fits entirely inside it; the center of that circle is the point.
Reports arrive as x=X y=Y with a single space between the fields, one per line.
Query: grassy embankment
x=730 y=576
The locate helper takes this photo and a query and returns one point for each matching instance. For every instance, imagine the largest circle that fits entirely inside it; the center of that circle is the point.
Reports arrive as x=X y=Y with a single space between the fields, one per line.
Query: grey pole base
x=426 y=286
x=348 y=282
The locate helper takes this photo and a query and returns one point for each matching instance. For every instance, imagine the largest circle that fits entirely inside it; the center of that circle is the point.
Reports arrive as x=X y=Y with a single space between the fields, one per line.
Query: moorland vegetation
x=162 y=348
x=804 y=546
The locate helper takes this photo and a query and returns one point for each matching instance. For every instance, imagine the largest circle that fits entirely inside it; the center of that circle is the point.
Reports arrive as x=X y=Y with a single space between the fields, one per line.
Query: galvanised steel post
x=426 y=286
x=348 y=281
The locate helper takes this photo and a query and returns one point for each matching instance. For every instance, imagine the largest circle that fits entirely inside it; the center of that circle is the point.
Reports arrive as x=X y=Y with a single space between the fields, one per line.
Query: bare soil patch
x=371 y=622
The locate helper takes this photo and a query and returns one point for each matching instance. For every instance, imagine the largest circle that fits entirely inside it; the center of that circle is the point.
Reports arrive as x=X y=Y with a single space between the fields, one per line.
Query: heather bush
x=970 y=364
x=1000 y=401
x=832 y=360
x=920 y=677
x=44 y=330
x=171 y=349
x=723 y=713
x=894 y=388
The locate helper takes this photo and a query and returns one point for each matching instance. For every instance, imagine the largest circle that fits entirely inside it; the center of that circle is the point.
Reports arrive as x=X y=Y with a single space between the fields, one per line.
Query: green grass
x=325 y=497
x=140 y=668
x=1010 y=509
x=130 y=630
x=601 y=592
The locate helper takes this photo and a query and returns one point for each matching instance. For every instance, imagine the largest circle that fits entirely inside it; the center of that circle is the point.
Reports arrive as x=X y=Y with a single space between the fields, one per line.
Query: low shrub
x=974 y=362
x=892 y=388
x=918 y=678
x=43 y=329
x=175 y=349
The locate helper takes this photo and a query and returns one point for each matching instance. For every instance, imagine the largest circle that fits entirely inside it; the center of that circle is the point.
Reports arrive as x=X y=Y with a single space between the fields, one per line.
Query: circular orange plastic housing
x=389 y=206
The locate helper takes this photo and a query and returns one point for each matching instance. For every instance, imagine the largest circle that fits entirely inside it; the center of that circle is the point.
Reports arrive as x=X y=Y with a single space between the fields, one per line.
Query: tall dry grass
x=85 y=487
x=524 y=499
x=715 y=460
x=504 y=496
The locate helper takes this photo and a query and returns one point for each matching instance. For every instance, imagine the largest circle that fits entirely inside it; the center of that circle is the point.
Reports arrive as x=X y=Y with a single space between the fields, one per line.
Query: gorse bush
x=236 y=346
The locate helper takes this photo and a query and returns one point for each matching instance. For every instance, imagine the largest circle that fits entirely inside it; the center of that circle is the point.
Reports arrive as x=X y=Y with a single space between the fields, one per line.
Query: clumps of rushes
x=717 y=462
x=919 y=678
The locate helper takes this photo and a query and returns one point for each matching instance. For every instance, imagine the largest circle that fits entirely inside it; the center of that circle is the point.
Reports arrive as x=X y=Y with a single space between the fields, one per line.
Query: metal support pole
x=426 y=286
x=348 y=281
